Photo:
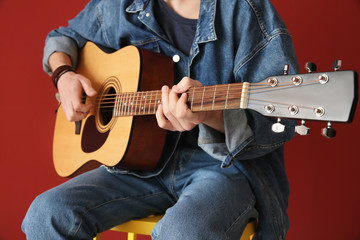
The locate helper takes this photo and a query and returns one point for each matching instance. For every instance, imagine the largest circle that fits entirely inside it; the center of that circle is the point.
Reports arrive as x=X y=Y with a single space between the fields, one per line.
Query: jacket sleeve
x=248 y=134
x=84 y=26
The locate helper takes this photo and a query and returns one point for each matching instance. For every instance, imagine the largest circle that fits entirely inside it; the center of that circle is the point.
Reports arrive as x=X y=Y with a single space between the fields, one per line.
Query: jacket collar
x=206 y=23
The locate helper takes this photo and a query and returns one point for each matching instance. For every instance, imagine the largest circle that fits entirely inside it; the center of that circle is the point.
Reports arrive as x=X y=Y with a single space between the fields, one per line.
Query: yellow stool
x=145 y=226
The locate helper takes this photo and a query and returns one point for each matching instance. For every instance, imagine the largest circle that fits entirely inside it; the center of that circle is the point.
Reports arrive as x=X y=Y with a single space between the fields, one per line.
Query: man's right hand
x=71 y=87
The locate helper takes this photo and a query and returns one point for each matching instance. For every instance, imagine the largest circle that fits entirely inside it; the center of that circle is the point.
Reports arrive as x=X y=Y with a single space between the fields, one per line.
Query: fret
x=116 y=106
x=145 y=102
x=122 y=104
x=143 y=106
x=140 y=103
x=213 y=102
x=130 y=108
x=150 y=102
x=220 y=97
x=205 y=98
x=227 y=95
x=235 y=93
x=202 y=99
x=126 y=104
x=157 y=101
x=192 y=99
x=136 y=99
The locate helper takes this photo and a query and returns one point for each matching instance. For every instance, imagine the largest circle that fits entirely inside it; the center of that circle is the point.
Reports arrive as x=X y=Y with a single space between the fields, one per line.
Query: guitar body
x=122 y=130
x=131 y=142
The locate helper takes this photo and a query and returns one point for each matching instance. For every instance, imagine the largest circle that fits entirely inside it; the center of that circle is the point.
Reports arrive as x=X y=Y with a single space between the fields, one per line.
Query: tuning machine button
x=310 y=67
x=286 y=69
x=337 y=65
x=302 y=129
x=278 y=127
x=328 y=132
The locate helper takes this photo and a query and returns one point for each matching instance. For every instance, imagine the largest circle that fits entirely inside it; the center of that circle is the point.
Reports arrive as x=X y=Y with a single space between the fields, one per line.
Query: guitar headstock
x=319 y=96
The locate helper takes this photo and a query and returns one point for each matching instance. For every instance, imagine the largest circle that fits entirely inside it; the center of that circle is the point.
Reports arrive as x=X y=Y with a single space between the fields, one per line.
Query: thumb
x=88 y=89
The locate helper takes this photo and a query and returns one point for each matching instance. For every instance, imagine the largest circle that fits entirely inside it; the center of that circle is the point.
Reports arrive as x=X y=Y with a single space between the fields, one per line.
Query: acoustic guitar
x=123 y=122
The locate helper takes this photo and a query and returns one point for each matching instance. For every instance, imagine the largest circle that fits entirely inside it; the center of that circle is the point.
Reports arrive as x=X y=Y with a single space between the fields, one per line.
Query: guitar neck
x=303 y=96
x=205 y=98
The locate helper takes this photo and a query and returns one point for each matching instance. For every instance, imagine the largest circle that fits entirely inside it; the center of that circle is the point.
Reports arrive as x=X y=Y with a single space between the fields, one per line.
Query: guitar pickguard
x=92 y=139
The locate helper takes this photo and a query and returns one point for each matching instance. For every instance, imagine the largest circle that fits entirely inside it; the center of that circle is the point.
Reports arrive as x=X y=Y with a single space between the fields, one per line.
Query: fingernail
x=164 y=88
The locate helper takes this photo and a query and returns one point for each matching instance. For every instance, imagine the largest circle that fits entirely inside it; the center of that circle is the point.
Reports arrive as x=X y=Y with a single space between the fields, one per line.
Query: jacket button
x=176 y=58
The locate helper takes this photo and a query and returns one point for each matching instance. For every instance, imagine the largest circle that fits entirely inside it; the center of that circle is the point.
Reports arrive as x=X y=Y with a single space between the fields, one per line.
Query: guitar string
x=151 y=103
x=109 y=100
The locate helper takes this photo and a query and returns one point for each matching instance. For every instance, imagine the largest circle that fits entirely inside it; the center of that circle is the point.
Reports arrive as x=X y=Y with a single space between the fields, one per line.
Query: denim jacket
x=235 y=41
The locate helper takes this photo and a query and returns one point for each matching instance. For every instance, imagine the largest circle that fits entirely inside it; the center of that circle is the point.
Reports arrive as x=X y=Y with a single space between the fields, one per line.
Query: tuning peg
x=310 y=67
x=286 y=69
x=278 y=127
x=337 y=65
x=328 y=132
x=302 y=129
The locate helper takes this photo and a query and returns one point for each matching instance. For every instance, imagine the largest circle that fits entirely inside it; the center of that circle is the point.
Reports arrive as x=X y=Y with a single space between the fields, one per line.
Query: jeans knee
x=181 y=228
x=46 y=213
x=40 y=210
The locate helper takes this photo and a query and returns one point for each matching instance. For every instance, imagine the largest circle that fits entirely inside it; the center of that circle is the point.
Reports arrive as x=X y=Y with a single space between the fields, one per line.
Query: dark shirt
x=180 y=32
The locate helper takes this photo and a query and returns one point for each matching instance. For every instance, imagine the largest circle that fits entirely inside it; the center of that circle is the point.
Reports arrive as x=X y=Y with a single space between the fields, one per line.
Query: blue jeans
x=200 y=200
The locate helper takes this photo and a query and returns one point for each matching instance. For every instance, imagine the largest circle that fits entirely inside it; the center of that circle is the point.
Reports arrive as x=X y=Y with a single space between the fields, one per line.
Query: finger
x=185 y=84
x=161 y=120
x=86 y=85
x=70 y=89
x=186 y=117
x=76 y=116
x=182 y=109
x=167 y=104
x=70 y=113
x=79 y=106
x=173 y=100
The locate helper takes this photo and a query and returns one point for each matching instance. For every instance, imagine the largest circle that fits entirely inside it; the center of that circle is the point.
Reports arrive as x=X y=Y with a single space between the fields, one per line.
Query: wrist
x=59 y=71
x=214 y=119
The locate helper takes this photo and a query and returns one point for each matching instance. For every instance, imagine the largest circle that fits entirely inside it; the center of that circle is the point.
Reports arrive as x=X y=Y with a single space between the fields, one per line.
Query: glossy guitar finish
x=122 y=129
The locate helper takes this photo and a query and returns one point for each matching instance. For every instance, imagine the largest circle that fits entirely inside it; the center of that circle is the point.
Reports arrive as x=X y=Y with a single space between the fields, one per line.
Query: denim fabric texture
x=99 y=200
x=235 y=41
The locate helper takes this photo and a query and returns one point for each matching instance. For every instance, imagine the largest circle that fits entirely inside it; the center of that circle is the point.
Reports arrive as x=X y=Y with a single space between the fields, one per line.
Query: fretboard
x=205 y=98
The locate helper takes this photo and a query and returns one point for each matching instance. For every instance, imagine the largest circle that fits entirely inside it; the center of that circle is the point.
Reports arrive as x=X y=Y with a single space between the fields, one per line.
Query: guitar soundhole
x=92 y=139
x=104 y=111
x=107 y=106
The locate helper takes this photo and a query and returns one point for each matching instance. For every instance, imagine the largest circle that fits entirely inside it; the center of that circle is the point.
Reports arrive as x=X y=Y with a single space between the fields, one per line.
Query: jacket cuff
x=60 y=44
x=223 y=146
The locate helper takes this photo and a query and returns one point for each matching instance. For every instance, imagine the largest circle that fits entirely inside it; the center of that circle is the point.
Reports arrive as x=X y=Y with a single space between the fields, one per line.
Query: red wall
x=323 y=173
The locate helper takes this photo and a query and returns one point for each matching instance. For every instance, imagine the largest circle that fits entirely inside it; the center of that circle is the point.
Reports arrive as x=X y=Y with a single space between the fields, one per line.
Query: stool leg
x=98 y=237
x=131 y=236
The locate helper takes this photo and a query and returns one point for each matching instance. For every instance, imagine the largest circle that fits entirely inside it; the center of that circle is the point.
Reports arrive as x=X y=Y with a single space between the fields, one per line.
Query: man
x=228 y=165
